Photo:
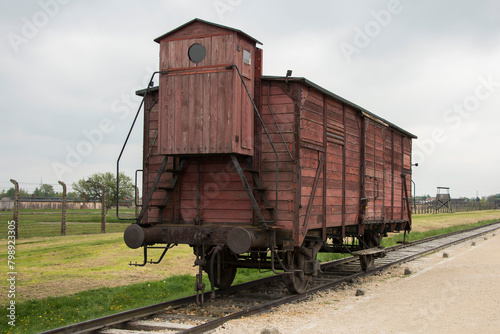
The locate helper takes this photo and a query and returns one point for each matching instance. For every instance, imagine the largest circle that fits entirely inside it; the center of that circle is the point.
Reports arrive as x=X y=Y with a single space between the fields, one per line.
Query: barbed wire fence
x=454 y=206
x=59 y=216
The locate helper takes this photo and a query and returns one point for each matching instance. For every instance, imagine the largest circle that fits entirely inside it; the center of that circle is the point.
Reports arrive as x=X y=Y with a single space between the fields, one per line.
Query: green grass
x=326 y=257
x=55 y=266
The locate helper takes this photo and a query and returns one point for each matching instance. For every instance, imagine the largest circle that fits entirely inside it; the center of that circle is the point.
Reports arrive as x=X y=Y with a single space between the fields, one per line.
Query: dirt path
x=458 y=294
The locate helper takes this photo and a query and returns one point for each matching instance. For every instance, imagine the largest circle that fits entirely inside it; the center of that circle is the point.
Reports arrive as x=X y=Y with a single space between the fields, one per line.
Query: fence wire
x=48 y=223
x=453 y=206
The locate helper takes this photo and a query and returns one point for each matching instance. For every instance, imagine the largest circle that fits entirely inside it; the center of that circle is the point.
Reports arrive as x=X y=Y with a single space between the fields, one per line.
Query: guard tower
x=443 y=199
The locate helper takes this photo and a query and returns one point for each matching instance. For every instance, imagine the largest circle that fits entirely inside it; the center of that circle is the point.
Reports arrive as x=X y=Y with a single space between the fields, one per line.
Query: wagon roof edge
x=337 y=97
x=158 y=39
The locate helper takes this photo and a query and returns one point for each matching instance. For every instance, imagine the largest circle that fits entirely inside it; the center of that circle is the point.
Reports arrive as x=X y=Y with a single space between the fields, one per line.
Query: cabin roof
x=158 y=39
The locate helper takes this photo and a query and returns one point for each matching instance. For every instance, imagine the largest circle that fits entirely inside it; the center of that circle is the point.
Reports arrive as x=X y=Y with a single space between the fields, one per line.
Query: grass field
x=61 y=279
x=426 y=222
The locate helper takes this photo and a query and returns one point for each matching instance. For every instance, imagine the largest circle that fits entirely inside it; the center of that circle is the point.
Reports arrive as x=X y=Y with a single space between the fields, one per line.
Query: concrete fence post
x=16 y=206
x=103 y=208
x=63 y=208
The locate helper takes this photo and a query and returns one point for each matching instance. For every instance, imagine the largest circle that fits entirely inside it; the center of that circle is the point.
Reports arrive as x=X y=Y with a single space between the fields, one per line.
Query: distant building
x=7 y=203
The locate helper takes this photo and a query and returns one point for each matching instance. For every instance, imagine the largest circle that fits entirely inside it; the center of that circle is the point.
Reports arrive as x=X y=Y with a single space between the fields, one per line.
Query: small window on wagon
x=196 y=53
x=247 y=59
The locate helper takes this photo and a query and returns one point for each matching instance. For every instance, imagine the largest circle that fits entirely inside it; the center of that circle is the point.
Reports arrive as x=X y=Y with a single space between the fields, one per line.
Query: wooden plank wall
x=312 y=153
x=222 y=196
x=341 y=171
x=198 y=112
x=389 y=170
x=396 y=163
x=335 y=166
x=220 y=50
x=364 y=159
x=353 y=142
x=282 y=107
x=375 y=170
x=196 y=118
x=397 y=184
x=205 y=108
x=407 y=147
x=388 y=157
x=342 y=160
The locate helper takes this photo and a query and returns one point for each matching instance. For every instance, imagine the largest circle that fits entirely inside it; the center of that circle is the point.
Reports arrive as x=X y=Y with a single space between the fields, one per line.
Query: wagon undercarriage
x=221 y=251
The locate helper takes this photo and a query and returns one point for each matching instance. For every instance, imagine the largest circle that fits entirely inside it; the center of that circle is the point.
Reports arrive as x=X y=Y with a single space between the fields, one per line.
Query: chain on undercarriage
x=200 y=261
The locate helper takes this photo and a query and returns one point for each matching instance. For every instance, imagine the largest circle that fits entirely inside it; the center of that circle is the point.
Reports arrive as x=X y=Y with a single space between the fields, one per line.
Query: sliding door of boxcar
x=397 y=184
x=375 y=174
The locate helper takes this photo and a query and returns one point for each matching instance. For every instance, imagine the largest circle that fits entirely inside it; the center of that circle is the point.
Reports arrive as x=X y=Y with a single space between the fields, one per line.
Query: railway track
x=184 y=316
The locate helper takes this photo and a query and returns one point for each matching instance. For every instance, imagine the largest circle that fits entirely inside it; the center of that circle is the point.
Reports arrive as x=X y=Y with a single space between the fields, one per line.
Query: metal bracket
x=166 y=248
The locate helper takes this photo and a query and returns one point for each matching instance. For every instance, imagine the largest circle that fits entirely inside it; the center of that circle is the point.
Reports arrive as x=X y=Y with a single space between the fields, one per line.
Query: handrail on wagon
x=265 y=130
x=125 y=144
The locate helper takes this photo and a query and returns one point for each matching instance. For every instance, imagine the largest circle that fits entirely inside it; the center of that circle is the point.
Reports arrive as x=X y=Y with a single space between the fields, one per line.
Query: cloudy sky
x=69 y=70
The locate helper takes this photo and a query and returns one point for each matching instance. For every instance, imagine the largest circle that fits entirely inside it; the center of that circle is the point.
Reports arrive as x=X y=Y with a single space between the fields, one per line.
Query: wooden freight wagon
x=259 y=171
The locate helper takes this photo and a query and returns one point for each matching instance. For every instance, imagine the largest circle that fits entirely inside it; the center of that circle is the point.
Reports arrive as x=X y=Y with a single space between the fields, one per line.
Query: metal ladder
x=168 y=189
x=258 y=188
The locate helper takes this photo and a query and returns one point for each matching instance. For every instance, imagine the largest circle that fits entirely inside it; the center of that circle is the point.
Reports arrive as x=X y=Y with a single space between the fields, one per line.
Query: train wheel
x=297 y=280
x=224 y=277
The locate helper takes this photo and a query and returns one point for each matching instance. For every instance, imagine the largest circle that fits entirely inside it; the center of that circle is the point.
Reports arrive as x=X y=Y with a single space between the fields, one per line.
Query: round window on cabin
x=196 y=53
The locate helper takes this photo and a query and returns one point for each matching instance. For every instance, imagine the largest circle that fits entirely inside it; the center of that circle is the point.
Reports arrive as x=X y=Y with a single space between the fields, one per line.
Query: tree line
x=87 y=189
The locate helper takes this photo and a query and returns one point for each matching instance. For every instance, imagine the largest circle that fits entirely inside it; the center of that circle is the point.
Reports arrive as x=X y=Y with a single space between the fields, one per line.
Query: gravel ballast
x=457 y=294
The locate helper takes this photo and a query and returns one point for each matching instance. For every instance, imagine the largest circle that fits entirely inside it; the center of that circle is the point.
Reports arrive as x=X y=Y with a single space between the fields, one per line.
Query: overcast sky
x=69 y=70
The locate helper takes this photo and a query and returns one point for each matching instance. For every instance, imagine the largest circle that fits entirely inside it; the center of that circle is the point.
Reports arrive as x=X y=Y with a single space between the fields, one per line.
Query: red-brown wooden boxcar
x=258 y=171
